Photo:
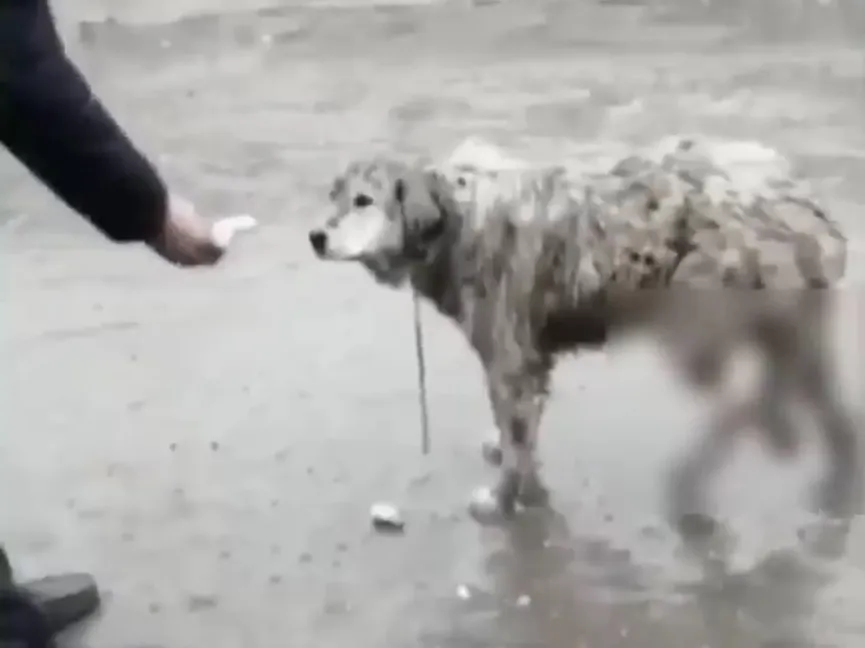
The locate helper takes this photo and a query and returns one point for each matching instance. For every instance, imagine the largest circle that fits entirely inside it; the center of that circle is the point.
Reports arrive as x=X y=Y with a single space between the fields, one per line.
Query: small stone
x=463 y=592
x=524 y=601
x=386 y=517
x=484 y=506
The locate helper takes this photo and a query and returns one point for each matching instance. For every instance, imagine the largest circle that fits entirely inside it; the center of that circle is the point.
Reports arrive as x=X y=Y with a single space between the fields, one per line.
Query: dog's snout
x=318 y=240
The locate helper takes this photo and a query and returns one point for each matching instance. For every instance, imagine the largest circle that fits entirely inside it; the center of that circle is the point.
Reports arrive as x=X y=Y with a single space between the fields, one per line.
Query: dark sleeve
x=51 y=121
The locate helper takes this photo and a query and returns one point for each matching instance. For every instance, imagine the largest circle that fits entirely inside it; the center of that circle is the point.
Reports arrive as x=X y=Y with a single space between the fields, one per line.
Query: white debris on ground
x=386 y=517
x=484 y=497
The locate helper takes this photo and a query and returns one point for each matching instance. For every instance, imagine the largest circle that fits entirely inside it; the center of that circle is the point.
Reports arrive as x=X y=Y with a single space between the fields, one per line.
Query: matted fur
x=531 y=263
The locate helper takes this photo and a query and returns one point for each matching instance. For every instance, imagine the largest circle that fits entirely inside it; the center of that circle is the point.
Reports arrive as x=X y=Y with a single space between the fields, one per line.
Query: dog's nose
x=318 y=240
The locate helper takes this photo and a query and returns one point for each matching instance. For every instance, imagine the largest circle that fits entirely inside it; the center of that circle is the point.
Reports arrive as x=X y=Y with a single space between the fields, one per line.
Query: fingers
x=189 y=240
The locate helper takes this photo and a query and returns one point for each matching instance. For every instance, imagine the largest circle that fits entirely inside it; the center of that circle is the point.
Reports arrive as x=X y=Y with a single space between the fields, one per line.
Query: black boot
x=32 y=613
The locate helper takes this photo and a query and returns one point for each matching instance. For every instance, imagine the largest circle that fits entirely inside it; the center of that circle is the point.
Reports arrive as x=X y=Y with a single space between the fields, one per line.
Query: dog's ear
x=419 y=195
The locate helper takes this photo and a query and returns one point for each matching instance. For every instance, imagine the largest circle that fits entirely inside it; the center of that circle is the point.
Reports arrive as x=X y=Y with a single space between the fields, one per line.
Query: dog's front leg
x=517 y=400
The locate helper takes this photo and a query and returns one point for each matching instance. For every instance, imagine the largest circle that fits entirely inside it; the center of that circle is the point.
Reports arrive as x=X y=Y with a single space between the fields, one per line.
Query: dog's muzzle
x=318 y=241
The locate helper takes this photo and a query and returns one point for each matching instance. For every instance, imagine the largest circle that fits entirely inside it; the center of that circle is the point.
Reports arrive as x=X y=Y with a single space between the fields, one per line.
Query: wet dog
x=532 y=263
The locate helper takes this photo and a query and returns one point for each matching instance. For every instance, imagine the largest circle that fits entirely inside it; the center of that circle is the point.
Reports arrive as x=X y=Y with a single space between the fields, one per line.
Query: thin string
x=421 y=374
x=418 y=347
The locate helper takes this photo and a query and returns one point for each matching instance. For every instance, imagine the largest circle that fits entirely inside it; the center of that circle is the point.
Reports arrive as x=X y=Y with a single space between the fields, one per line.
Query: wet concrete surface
x=209 y=443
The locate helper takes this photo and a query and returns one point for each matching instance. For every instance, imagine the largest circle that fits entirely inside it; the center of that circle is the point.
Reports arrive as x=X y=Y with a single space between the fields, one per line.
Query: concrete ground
x=209 y=443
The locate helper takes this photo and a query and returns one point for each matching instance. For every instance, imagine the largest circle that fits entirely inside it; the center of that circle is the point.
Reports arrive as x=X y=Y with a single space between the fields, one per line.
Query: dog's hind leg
x=517 y=400
x=840 y=492
x=785 y=333
x=691 y=476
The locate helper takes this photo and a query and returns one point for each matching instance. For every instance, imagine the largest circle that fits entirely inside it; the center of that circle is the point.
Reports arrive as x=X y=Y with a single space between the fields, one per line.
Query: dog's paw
x=533 y=493
x=491 y=449
x=489 y=508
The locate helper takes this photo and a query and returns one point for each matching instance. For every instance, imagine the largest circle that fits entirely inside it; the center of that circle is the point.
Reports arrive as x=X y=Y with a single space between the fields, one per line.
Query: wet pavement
x=209 y=443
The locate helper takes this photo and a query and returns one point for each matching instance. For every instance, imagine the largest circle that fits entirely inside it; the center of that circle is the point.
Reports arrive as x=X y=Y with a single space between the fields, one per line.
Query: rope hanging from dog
x=418 y=342
x=421 y=373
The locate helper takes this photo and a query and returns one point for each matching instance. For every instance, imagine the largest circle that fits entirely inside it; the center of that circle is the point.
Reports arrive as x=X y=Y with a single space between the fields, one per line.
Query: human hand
x=187 y=239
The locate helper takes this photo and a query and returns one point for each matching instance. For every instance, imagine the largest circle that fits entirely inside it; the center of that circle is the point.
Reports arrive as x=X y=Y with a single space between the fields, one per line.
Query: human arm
x=52 y=122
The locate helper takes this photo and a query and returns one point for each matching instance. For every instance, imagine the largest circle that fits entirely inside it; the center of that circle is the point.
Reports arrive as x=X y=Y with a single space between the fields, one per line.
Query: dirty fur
x=532 y=263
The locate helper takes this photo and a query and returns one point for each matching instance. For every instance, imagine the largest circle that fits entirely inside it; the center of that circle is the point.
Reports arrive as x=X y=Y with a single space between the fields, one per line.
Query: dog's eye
x=461 y=182
x=362 y=200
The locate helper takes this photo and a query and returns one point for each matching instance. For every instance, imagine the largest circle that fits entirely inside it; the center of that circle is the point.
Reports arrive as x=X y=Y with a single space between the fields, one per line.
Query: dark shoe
x=63 y=599
x=32 y=613
x=22 y=622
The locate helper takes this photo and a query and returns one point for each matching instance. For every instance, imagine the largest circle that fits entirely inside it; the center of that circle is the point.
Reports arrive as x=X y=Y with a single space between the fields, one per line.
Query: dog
x=534 y=262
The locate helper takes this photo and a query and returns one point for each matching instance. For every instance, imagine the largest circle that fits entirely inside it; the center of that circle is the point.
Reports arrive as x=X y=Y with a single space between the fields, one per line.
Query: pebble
x=463 y=592
x=386 y=517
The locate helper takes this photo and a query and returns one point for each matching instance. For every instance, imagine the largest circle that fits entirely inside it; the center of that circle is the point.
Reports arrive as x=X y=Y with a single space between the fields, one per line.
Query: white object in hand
x=224 y=229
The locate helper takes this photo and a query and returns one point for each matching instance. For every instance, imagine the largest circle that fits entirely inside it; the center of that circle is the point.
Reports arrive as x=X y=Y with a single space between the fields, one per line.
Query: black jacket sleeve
x=51 y=121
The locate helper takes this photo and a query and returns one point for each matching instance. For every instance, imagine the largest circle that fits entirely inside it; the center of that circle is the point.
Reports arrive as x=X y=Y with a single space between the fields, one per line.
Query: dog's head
x=386 y=215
